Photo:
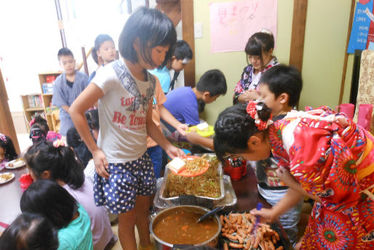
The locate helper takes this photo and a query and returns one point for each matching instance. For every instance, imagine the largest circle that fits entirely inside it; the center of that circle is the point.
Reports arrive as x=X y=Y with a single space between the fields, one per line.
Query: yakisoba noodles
x=206 y=184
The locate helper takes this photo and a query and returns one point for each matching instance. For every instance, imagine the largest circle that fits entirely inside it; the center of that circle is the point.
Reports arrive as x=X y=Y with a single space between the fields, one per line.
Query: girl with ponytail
x=320 y=154
x=59 y=163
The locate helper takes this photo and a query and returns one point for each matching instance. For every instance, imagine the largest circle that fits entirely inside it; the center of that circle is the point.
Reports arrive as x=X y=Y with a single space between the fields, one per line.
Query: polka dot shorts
x=126 y=181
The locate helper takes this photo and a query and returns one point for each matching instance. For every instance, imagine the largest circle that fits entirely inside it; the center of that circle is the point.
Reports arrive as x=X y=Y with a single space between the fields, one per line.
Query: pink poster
x=232 y=23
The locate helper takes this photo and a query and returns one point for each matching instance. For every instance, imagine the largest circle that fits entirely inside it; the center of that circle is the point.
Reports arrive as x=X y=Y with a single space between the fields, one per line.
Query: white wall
x=29 y=41
x=30 y=38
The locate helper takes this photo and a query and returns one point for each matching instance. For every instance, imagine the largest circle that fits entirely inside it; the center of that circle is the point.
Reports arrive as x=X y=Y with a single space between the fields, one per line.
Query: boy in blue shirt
x=67 y=88
x=183 y=103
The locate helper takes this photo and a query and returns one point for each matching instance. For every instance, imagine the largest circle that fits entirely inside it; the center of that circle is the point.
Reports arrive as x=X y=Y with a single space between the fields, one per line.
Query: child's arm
x=84 y=101
x=195 y=138
x=290 y=181
x=248 y=95
x=289 y=200
x=170 y=119
x=154 y=132
x=58 y=98
x=66 y=108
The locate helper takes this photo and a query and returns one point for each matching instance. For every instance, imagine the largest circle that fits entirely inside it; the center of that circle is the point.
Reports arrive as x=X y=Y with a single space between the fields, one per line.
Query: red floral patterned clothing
x=336 y=163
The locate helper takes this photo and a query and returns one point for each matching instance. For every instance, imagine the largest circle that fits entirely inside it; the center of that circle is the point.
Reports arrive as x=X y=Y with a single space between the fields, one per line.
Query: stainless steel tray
x=228 y=201
x=176 y=198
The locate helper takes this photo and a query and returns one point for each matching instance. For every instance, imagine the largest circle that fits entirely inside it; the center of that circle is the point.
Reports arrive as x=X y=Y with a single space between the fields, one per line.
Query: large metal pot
x=162 y=245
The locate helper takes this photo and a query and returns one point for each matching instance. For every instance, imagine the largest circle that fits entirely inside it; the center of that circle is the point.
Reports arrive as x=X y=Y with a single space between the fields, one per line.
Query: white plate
x=9 y=175
x=15 y=164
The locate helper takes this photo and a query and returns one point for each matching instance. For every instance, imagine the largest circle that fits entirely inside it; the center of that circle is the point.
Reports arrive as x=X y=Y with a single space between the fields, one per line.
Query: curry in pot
x=179 y=226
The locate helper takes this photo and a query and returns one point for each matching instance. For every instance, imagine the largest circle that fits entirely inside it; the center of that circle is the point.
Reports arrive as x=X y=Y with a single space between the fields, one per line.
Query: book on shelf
x=35 y=101
x=47 y=88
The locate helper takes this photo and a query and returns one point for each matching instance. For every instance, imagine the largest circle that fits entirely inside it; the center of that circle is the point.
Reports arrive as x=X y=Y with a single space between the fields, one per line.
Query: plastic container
x=236 y=168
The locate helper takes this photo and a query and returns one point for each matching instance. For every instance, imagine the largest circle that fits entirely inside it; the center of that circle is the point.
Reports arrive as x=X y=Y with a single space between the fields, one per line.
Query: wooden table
x=10 y=195
x=247 y=193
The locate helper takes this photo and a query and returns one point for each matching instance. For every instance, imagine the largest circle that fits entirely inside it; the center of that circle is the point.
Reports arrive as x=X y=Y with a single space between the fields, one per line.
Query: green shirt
x=77 y=235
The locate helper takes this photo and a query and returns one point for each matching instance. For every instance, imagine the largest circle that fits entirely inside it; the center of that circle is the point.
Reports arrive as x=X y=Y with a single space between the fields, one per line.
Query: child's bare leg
x=126 y=230
x=142 y=205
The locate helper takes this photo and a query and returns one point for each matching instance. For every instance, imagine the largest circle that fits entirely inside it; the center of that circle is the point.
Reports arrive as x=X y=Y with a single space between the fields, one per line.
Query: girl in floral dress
x=259 y=52
x=325 y=156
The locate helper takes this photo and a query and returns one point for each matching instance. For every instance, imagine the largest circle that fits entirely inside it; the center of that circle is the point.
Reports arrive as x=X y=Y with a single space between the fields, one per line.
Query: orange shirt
x=158 y=100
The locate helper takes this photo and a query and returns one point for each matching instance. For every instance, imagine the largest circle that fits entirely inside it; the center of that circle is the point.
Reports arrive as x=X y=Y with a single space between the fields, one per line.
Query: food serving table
x=246 y=197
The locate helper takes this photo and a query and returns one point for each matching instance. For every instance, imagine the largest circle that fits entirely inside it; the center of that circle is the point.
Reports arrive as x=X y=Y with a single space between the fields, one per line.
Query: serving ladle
x=210 y=213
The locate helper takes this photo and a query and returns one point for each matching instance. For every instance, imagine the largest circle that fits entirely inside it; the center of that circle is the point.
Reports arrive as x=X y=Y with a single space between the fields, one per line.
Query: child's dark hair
x=29 y=232
x=42 y=122
x=100 y=39
x=151 y=28
x=49 y=199
x=74 y=140
x=60 y=161
x=182 y=50
x=64 y=52
x=213 y=81
x=284 y=79
x=234 y=127
x=92 y=117
x=7 y=144
x=259 y=42
x=39 y=129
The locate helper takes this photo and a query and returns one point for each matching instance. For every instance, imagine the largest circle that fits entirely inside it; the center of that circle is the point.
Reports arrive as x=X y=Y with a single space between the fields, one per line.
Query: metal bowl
x=160 y=244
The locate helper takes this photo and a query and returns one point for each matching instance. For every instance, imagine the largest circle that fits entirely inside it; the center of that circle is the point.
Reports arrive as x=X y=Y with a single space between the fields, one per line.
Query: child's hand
x=182 y=128
x=101 y=164
x=342 y=121
x=173 y=151
x=249 y=95
x=266 y=214
x=285 y=176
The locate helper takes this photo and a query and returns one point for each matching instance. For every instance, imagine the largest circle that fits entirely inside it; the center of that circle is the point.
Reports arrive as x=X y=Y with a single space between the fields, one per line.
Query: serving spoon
x=210 y=213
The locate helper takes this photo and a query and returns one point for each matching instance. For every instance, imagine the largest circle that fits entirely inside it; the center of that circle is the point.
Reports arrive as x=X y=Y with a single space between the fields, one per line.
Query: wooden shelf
x=40 y=103
x=35 y=109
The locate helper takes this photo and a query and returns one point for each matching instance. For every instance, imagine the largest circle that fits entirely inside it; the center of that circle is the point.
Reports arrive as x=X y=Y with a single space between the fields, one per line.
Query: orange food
x=238 y=229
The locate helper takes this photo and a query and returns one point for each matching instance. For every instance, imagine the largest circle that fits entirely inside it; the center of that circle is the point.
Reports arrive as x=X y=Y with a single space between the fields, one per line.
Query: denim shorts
x=126 y=181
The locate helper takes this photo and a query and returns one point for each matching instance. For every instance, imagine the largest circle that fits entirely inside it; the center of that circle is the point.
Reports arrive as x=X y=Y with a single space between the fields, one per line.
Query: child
x=67 y=87
x=125 y=180
x=322 y=155
x=59 y=164
x=92 y=117
x=259 y=51
x=181 y=57
x=39 y=131
x=103 y=52
x=211 y=85
x=74 y=141
x=7 y=150
x=47 y=198
x=28 y=232
x=182 y=103
x=279 y=89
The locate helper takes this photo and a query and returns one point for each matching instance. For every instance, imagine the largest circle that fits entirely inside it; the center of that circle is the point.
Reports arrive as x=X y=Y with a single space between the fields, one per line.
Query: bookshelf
x=41 y=103
x=32 y=105
x=46 y=81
